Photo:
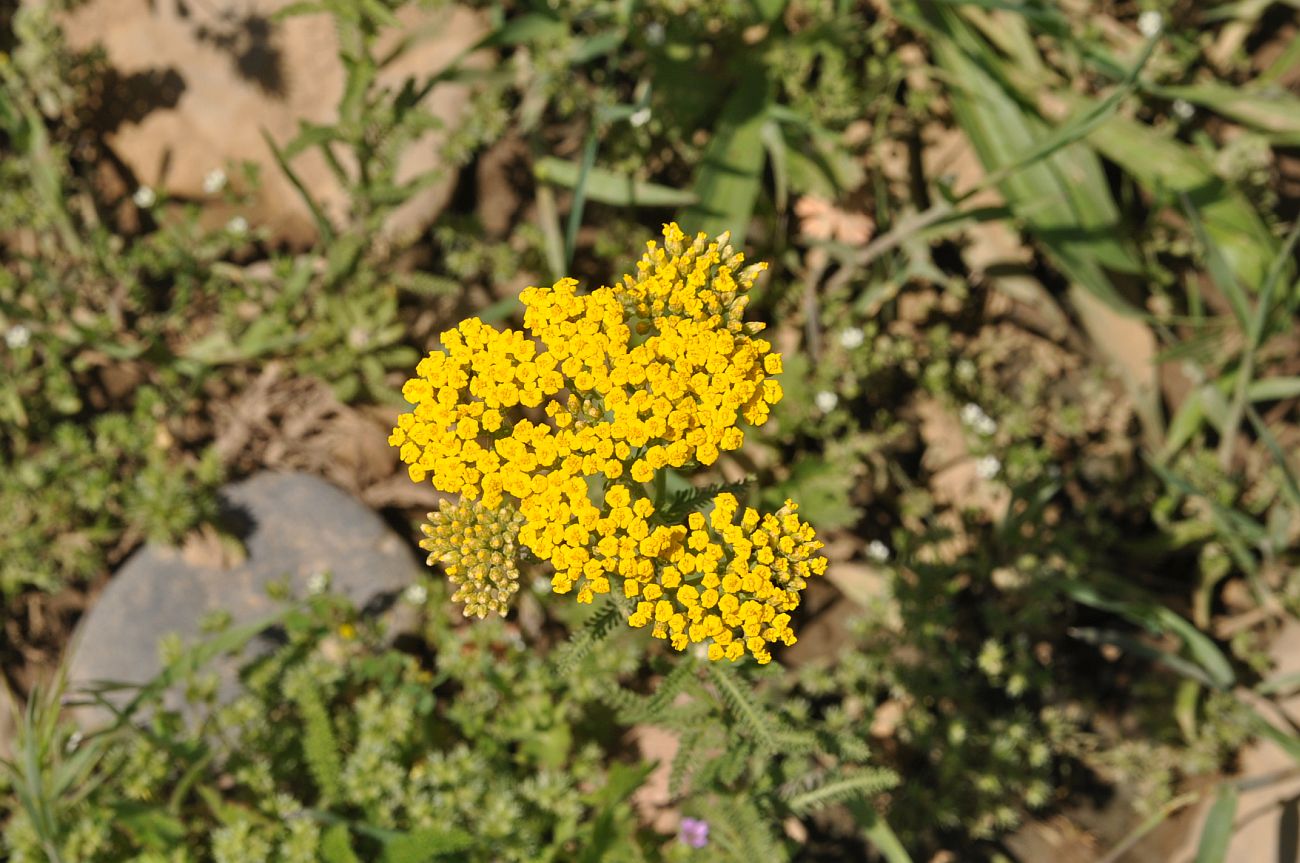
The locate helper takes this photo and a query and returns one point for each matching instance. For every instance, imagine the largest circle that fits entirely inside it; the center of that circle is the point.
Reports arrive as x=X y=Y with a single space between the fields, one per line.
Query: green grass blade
x=1274 y=389
x=1158 y=619
x=879 y=833
x=1217 y=265
x=580 y=195
x=1217 y=833
x=1283 y=63
x=609 y=187
x=1152 y=822
x=1255 y=326
x=323 y=226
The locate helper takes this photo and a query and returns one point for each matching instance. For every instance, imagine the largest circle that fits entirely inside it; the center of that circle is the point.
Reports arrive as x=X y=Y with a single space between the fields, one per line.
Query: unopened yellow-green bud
x=477 y=548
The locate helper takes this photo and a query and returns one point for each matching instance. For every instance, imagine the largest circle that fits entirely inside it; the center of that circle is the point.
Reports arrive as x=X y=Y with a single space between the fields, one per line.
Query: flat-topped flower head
x=568 y=423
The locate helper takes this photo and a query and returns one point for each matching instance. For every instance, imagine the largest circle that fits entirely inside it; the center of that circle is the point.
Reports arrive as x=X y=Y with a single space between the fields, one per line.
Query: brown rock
x=1058 y=839
x=653 y=800
x=197 y=84
x=955 y=474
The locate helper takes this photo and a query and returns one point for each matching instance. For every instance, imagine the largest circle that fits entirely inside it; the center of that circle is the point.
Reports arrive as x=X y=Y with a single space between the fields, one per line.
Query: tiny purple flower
x=694 y=832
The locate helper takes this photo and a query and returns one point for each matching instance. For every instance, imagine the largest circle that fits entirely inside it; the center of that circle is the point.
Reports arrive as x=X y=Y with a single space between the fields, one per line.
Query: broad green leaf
x=151 y=826
x=1274 y=111
x=589 y=48
x=336 y=846
x=530 y=27
x=1167 y=168
x=622 y=783
x=769 y=10
x=423 y=845
x=1062 y=196
x=1187 y=420
x=1288 y=743
x=823 y=485
x=731 y=173
x=611 y=187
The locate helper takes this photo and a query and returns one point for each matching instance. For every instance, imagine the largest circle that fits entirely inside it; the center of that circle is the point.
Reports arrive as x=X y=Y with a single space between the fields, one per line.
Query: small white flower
x=416 y=594
x=215 y=181
x=1183 y=109
x=826 y=401
x=145 y=197
x=640 y=117
x=654 y=33
x=317 y=582
x=988 y=467
x=17 y=337
x=237 y=226
x=877 y=551
x=852 y=337
x=1150 y=23
x=974 y=418
x=965 y=370
x=74 y=740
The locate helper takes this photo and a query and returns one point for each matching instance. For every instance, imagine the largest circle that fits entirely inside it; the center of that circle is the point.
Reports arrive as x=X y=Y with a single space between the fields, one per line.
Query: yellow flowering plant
x=558 y=438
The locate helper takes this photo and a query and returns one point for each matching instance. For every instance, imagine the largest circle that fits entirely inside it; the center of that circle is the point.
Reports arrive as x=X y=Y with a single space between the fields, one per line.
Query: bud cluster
x=477 y=547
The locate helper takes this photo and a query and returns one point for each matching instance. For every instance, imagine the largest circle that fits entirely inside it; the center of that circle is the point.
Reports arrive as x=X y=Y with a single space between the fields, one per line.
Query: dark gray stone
x=294 y=526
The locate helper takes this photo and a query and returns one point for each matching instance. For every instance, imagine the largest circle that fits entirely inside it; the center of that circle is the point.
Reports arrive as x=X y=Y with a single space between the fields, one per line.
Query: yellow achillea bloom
x=566 y=423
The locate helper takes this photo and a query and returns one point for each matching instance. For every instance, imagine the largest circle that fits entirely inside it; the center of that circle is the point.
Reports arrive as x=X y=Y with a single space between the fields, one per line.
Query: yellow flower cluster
x=734 y=583
x=568 y=422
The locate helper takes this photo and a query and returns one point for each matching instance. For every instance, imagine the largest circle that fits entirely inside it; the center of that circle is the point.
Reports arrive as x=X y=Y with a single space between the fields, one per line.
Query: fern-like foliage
x=597 y=628
x=739 y=832
x=658 y=708
x=690 y=748
x=819 y=789
x=319 y=746
x=760 y=726
x=845 y=747
x=682 y=503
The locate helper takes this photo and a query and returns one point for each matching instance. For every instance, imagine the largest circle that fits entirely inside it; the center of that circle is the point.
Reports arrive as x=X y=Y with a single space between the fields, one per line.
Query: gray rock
x=295 y=526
